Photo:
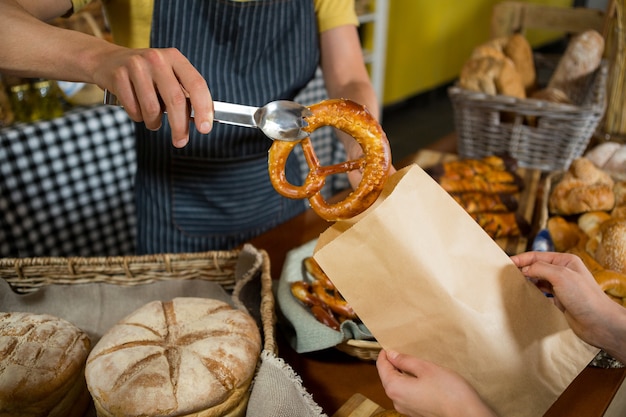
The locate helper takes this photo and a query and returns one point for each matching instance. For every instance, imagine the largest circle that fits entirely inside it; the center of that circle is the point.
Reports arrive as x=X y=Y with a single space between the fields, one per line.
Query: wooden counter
x=333 y=377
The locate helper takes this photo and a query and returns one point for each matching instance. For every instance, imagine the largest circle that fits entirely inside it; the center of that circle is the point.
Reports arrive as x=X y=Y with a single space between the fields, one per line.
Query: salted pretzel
x=355 y=120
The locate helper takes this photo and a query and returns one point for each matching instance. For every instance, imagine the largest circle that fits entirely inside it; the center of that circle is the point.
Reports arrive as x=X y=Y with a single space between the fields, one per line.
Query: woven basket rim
x=158 y=267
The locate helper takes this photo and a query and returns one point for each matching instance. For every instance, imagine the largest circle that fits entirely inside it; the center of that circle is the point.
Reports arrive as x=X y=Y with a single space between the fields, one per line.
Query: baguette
x=581 y=58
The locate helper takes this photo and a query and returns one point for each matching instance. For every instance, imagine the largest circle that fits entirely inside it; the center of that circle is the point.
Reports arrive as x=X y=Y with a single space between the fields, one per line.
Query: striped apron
x=215 y=193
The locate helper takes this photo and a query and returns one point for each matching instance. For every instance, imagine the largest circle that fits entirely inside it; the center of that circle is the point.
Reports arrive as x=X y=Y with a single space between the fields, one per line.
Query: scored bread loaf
x=42 y=364
x=184 y=357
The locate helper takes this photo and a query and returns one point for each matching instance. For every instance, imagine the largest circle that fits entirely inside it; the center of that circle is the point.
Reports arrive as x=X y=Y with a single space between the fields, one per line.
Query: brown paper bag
x=428 y=281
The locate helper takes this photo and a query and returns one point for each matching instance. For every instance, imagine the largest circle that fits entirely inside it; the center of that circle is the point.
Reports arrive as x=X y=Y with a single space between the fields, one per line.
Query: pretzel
x=375 y=163
x=320 y=295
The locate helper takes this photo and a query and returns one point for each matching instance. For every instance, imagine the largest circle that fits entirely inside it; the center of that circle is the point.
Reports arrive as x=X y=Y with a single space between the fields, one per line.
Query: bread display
x=506 y=66
x=596 y=229
x=41 y=366
x=184 y=357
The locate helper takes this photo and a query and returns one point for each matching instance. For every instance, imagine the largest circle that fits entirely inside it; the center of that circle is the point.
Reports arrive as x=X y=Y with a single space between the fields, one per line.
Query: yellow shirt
x=130 y=19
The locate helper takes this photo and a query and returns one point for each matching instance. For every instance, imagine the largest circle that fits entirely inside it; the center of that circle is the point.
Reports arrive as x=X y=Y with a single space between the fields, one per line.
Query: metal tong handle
x=234 y=114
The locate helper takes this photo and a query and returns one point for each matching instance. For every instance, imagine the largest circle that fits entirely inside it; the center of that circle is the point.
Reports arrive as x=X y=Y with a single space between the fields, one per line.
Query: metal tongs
x=281 y=119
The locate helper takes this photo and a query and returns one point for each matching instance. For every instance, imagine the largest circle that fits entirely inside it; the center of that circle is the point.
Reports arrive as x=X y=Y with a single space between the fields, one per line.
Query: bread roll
x=520 y=52
x=611 y=248
x=580 y=59
x=584 y=188
x=184 y=357
x=564 y=234
x=492 y=75
x=41 y=366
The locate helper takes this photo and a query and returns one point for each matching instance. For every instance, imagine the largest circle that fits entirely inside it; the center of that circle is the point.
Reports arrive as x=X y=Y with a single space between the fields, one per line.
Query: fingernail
x=205 y=127
x=392 y=354
x=180 y=143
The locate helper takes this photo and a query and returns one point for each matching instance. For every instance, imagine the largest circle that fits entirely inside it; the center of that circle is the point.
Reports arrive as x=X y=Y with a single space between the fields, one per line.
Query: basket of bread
x=541 y=109
x=168 y=334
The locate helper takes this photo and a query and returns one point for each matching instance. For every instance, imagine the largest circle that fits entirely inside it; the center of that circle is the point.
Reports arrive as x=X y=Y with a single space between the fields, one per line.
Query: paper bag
x=428 y=281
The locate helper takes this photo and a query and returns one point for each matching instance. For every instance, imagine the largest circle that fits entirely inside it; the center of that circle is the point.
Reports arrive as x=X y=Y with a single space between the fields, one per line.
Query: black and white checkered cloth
x=67 y=185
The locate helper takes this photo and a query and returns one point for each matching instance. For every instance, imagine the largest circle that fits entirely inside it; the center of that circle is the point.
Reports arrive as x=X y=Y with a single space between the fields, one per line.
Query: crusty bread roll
x=583 y=188
x=502 y=65
x=580 y=59
x=41 y=366
x=492 y=75
x=184 y=357
x=611 y=248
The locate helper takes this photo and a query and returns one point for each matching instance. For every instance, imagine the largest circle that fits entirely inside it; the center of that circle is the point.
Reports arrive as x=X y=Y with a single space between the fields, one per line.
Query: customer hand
x=421 y=388
x=148 y=81
x=591 y=314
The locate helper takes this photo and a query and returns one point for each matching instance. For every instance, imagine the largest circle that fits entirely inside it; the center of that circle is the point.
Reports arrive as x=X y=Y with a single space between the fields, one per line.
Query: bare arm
x=31 y=48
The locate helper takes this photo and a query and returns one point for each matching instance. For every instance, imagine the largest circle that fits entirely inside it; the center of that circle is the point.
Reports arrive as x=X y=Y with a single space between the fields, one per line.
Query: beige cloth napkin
x=428 y=281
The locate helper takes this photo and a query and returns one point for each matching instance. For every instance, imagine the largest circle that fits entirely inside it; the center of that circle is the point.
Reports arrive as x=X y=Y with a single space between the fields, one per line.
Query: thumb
x=407 y=363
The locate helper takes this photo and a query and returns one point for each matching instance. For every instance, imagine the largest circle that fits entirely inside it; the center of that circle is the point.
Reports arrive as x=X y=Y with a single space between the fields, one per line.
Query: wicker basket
x=26 y=275
x=366 y=350
x=539 y=134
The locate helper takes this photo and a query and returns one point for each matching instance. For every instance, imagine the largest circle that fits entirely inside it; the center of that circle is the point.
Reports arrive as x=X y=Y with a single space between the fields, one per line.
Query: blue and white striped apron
x=215 y=193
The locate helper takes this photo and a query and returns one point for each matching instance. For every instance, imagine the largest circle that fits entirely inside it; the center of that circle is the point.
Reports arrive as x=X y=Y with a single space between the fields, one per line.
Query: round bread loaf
x=184 y=357
x=42 y=359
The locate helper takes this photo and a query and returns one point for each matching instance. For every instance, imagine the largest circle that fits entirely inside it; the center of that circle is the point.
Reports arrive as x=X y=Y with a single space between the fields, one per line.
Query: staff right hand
x=149 y=81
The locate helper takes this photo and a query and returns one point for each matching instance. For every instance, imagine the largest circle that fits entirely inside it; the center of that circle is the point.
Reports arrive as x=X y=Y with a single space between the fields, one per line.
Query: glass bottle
x=21 y=102
x=46 y=100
